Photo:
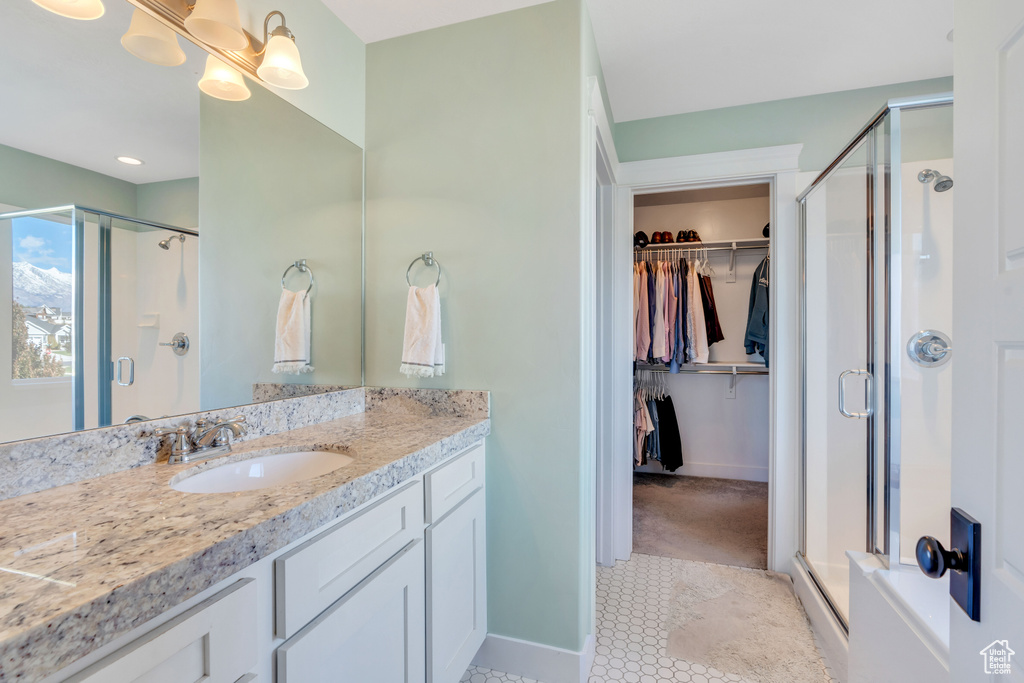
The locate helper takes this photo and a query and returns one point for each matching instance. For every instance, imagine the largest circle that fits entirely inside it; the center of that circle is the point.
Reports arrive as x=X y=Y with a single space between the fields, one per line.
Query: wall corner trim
x=761 y=160
x=536 y=661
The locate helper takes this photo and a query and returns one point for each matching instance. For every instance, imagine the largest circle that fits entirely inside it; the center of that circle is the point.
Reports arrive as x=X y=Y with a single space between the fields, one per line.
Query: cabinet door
x=456 y=590
x=372 y=635
x=214 y=642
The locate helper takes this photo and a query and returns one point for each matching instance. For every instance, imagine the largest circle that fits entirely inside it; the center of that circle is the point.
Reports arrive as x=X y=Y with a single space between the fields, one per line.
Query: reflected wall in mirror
x=192 y=241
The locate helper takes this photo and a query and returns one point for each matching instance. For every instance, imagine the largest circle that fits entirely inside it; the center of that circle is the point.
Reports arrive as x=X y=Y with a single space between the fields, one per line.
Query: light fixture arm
x=281 y=30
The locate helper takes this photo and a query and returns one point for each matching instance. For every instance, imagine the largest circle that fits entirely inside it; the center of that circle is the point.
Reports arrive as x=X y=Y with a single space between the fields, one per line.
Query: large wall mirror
x=107 y=266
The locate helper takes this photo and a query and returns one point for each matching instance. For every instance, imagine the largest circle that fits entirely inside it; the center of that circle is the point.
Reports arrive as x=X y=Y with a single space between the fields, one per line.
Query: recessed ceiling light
x=131 y=161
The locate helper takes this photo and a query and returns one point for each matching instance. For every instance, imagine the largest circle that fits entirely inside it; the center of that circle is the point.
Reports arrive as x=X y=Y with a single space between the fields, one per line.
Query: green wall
x=175 y=202
x=275 y=186
x=473 y=151
x=823 y=123
x=333 y=58
x=31 y=181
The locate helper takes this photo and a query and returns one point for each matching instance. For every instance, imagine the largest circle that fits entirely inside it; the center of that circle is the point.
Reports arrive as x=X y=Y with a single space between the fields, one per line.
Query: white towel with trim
x=422 y=350
x=291 y=344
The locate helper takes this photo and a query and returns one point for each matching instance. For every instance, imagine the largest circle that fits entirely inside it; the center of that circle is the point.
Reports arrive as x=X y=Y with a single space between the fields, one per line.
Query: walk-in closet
x=701 y=381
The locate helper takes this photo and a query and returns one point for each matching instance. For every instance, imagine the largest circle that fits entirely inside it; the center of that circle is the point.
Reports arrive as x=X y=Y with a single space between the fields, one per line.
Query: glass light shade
x=150 y=40
x=74 y=9
x=281 y=65
x=223 y=82
x=216 y=23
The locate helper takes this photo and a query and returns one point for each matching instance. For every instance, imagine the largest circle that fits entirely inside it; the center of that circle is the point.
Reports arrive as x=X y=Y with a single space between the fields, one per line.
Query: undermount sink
x=262 y=472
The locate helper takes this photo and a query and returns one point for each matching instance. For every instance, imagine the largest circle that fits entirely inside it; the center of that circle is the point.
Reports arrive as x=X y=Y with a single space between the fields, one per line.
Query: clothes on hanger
x=670 y=443
x=675 y=320
x=714 y=328
x=656 y=430
x=756 y=338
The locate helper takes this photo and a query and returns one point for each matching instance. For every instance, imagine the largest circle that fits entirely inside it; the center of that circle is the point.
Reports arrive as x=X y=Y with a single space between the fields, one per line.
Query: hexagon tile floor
x=631 y=643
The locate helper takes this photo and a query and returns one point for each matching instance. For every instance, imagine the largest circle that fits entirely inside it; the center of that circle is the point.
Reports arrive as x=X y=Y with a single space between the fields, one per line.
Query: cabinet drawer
x=453 y=482
x=315 y=574
x=375 y=633
x=215 y=641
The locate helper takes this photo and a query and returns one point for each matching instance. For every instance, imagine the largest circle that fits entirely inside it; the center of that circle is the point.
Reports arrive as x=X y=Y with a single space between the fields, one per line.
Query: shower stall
x=120 y=295
x=876 y=242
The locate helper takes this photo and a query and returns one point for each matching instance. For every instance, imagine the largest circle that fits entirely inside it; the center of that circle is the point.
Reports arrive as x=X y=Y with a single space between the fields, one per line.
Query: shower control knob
x=934 y=560
x=930 y=348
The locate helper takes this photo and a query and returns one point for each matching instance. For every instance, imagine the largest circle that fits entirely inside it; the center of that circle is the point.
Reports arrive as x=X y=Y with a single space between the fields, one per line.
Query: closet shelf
x=712 y=368
x=716 y=245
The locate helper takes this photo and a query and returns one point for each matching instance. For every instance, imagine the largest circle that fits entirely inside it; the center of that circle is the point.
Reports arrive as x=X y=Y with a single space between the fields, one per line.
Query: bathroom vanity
x=375 y=571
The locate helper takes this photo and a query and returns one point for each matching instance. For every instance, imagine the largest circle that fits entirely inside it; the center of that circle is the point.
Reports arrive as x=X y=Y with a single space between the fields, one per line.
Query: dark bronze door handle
x=964 y=559
x=934 y=560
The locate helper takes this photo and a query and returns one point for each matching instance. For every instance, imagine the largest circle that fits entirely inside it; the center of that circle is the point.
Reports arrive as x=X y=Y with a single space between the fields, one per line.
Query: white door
x=988 y=328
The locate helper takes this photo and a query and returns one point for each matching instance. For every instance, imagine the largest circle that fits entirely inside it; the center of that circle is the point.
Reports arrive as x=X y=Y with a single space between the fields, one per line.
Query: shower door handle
x=131 y=371
x=868 y=394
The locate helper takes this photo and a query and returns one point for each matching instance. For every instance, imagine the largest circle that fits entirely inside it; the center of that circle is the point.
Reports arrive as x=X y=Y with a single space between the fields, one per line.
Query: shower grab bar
x=868 y=394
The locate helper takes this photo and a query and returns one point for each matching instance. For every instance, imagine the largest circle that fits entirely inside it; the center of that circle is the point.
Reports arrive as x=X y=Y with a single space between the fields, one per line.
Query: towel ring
x=429 y=259
x=301 y=266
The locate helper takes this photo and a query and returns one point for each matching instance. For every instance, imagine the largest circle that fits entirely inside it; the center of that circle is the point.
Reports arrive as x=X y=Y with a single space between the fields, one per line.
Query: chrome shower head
x=942 y=182
x=166 y=244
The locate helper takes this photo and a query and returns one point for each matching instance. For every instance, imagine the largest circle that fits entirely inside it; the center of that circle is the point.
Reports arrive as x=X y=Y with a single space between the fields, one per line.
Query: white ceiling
x=72 y=93
x=663 y=57
x=374 y=20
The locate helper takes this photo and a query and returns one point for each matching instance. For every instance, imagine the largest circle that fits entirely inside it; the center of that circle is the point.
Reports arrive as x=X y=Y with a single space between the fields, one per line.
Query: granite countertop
x=84 y=563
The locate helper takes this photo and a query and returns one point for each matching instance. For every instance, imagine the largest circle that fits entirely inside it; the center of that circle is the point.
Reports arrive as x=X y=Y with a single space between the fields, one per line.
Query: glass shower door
x=152 y=319
x=838 y=421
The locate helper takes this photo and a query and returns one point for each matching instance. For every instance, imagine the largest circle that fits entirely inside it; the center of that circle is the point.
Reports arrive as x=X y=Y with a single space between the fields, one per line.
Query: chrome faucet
x=204 y=440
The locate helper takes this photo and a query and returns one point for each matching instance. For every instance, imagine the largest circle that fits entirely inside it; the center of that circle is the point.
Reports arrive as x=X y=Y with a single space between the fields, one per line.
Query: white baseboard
x=532 y=660
x=710 y=469
x=830 y=634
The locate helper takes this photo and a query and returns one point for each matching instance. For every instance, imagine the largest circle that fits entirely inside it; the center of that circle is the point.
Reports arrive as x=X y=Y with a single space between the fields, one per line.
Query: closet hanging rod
x=718 y=369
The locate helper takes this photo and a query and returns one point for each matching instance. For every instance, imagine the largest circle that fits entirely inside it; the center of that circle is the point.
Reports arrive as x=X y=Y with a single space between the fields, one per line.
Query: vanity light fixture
x=223 y=82
x=131 y=161
x=152 y=41
x=281 y=65
x=74 y=9
x=216 y=23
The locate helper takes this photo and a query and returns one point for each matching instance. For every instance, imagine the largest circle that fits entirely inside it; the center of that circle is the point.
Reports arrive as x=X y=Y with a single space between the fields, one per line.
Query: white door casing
x=988 y=325
x=777 y=166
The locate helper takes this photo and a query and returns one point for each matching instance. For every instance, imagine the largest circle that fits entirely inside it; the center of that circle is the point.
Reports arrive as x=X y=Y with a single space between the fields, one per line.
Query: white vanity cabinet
x=456 y=566
x=215 y=641
x=393 y=592
x=373 y=634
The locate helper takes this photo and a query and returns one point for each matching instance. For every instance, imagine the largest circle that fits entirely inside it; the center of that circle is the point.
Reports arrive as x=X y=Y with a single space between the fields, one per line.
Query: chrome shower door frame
x=884 y=273
x=105 y=367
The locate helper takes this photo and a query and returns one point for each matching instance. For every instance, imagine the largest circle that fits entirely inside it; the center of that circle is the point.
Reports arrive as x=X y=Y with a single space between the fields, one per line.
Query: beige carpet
x=743 y=622
x=724 y=521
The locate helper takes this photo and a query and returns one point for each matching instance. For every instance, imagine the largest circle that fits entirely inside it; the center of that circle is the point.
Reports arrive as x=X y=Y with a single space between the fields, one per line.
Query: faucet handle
x=180 y=430
x=180 y=445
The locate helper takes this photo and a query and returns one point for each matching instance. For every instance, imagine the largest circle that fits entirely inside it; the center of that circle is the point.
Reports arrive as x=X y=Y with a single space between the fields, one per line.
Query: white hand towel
x=291 y=345
x=422 y=350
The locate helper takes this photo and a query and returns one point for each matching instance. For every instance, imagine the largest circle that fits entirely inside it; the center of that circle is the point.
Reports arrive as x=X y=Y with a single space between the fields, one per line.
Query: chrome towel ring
x=429 y=259
x=301 y=266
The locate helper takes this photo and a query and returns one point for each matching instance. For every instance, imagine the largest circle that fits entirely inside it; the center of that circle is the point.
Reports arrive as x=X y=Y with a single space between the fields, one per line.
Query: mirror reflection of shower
x=942 y=182
x=165 y=244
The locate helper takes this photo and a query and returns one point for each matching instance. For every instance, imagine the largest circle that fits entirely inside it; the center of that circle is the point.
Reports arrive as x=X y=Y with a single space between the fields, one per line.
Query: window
x=42 y=329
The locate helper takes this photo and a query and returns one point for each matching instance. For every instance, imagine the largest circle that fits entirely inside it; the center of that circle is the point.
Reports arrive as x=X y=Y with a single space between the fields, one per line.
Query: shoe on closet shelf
x=666 y=237
x=656 y=238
